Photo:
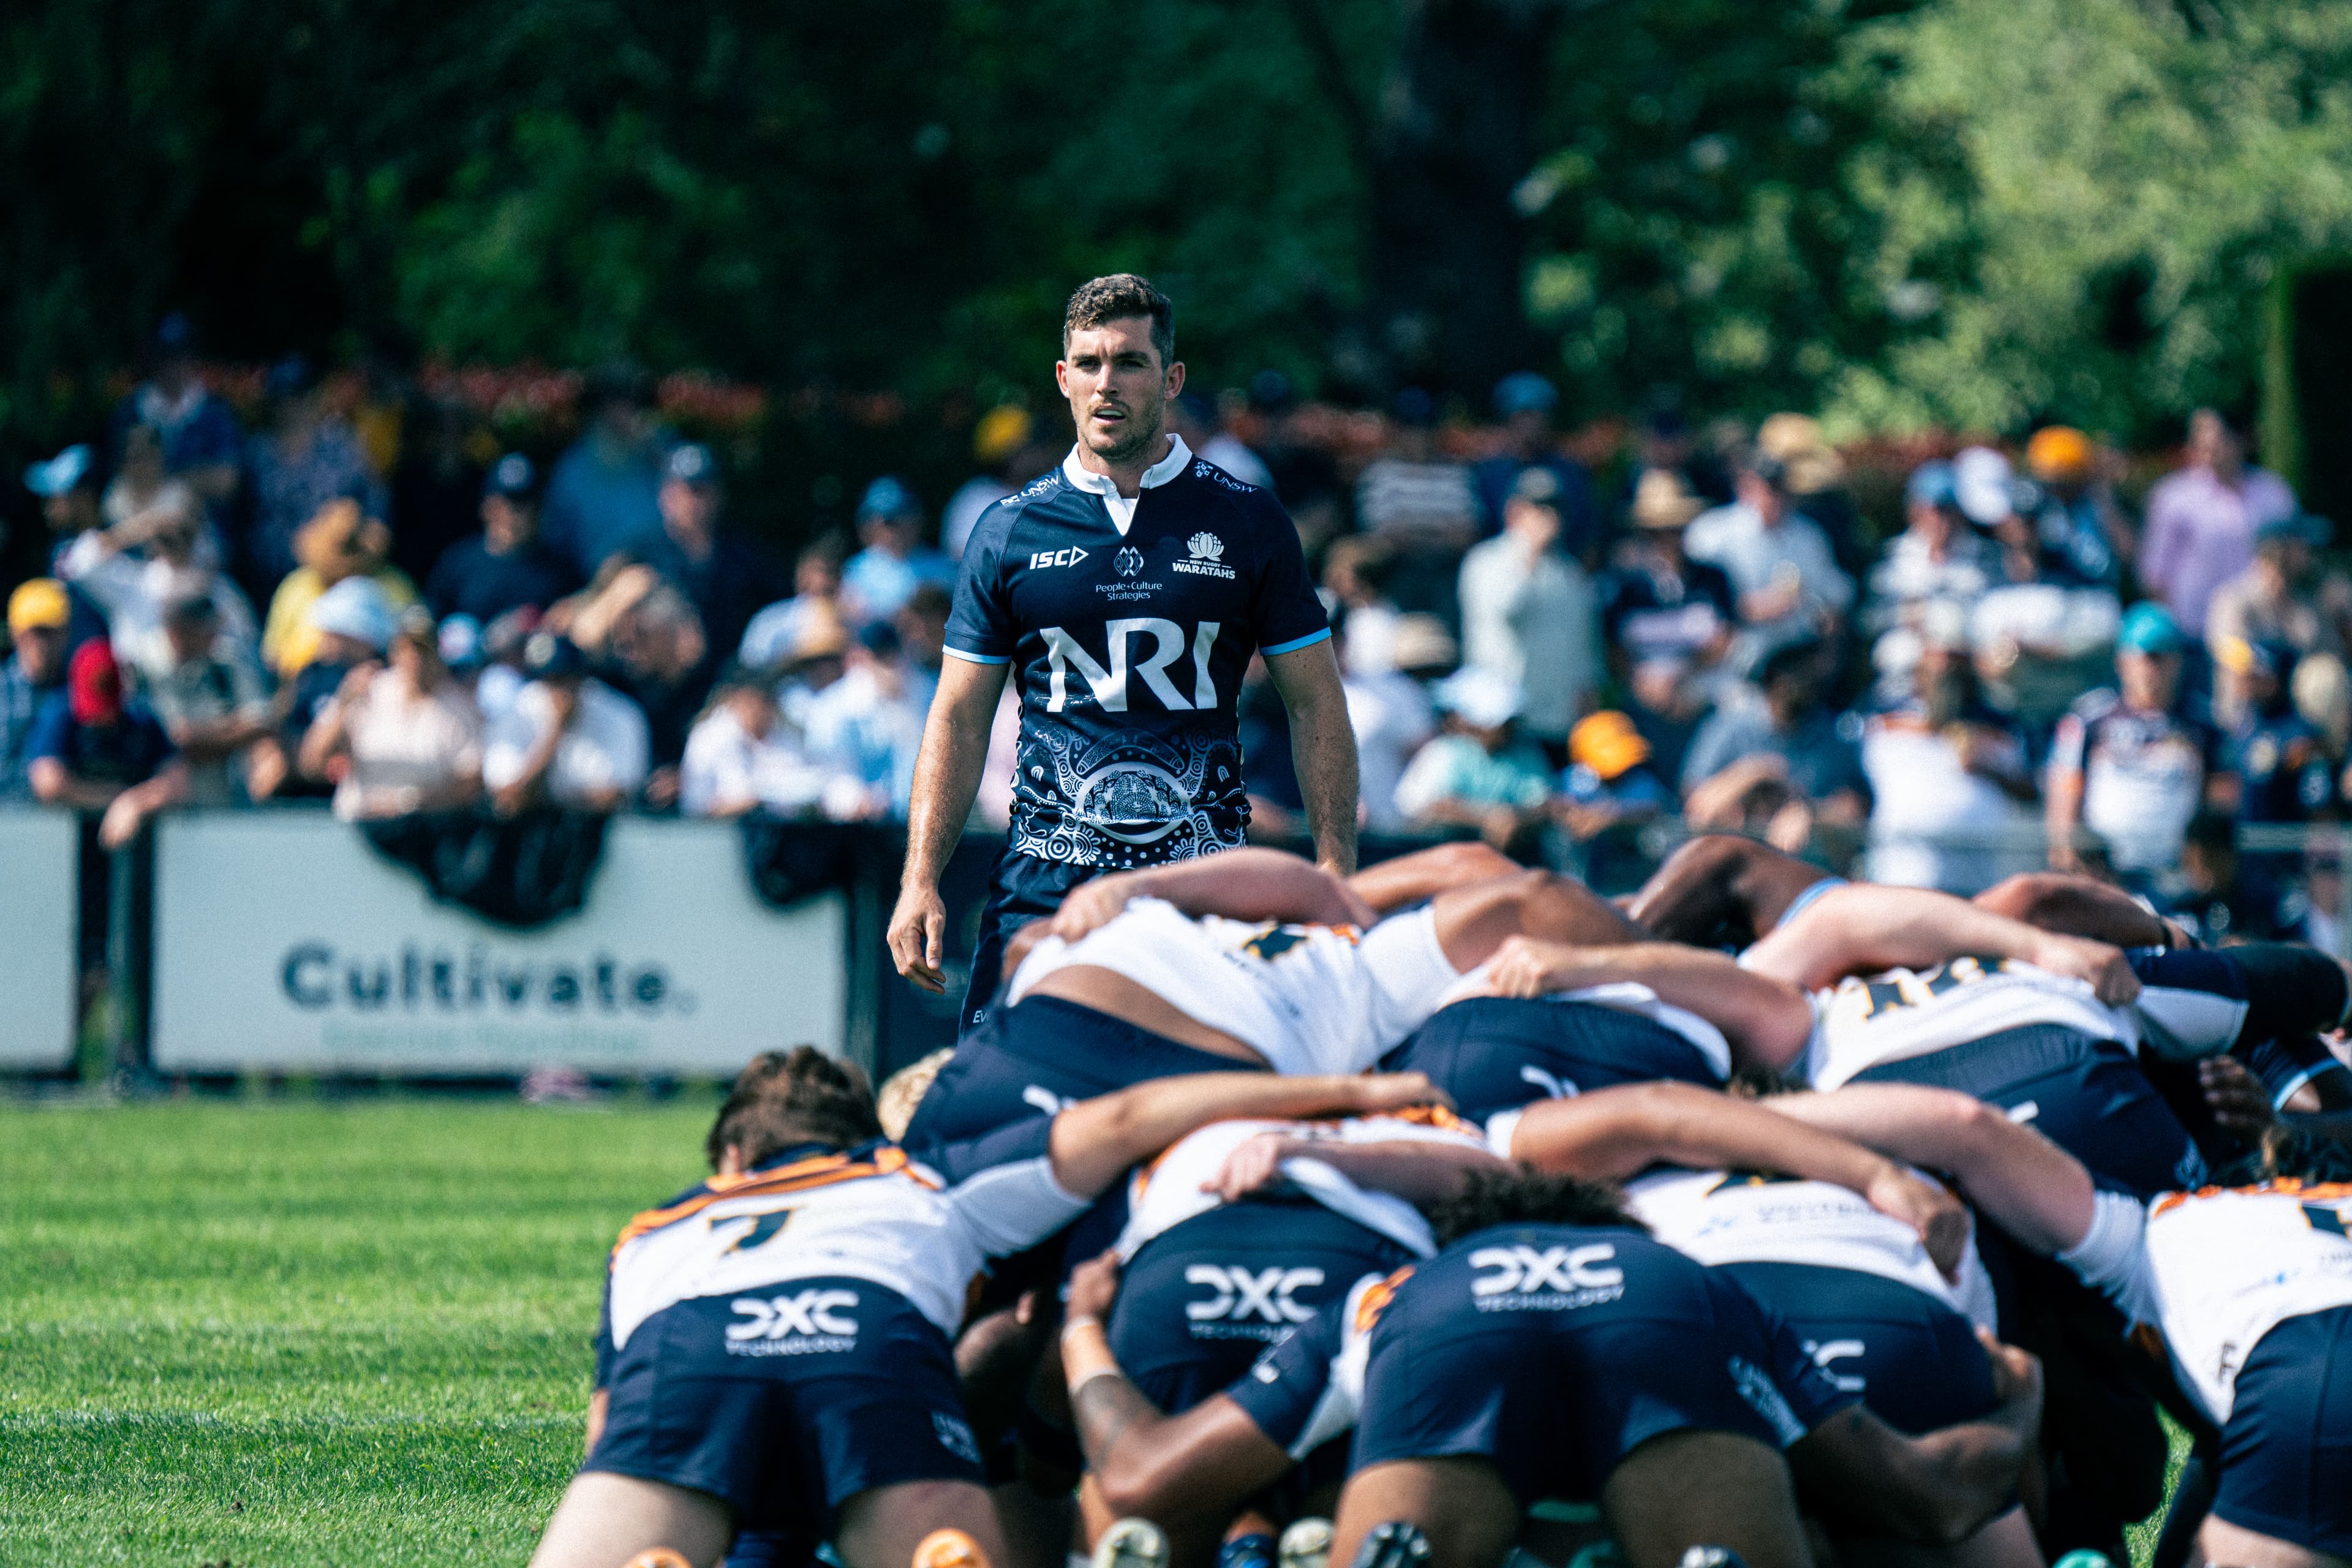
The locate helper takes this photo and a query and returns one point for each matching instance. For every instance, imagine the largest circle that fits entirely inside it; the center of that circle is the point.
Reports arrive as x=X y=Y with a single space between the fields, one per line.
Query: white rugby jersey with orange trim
x=1174 y=1188
x=2222 y=1267
x=870 y=1214
x=1742 y=1217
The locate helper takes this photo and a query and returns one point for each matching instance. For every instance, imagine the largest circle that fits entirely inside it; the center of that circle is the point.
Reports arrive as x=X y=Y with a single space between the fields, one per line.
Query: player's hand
x=1094 y=1286
x=1941 y=1219
x=918 y=935
x=2016 y=1375
x=1254 y=1167
x=1522 y=968
x=1376 y=1092
x=2240 y=1102
x=1090 y=906
x=2103 y=966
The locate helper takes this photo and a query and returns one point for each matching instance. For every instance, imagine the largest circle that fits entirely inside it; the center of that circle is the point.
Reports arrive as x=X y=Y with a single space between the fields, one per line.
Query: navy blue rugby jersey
x=1128 y=647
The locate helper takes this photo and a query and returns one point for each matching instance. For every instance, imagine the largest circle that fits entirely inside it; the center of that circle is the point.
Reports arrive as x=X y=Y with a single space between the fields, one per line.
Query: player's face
x=1118 y=390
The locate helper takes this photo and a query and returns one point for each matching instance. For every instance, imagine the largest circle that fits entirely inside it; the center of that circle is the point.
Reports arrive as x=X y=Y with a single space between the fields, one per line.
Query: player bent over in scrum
x=1251 y=957
x=1552 y=1349
x=2248 y=1286
x=774 y=1353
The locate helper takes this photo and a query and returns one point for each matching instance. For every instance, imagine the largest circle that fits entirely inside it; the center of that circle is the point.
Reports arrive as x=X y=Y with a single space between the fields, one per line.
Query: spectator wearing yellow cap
x=1608 y=793
x=1007 y=459
x=38 y=615
x=2084 y=539
x=2201 y=520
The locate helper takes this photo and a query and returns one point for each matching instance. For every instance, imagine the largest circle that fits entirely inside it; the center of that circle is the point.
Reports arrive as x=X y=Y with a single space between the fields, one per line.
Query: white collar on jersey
x=1122 y=508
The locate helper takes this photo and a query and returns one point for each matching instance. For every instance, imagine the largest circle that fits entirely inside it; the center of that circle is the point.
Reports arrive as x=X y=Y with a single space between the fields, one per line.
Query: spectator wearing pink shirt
x=2201 y=521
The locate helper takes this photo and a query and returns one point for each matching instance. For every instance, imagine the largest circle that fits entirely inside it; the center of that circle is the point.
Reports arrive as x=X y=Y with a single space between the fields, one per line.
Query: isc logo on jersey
x=1070 y=556
x=804 y=1323
x=1524 y=1280
x=1109 y=686
x=1244 y=1293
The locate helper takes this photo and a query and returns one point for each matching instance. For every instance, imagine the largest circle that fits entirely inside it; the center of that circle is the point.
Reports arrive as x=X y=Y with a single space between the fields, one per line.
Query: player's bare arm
x=1248 y=884
x=1322 y=748
x=947 y=778
x=1863 y=929
x=1766 y=1019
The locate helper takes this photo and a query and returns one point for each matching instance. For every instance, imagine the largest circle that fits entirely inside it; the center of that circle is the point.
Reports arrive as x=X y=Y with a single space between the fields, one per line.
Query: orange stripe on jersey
x=1376 y=1300
x=800 y=1175
x=2284 y=1186
x=1436 y=1116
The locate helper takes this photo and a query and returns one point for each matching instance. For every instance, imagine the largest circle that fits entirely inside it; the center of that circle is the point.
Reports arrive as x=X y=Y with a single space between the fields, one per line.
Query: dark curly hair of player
x=2285 y=1153
x=784 y=1098
x=1525 y=1196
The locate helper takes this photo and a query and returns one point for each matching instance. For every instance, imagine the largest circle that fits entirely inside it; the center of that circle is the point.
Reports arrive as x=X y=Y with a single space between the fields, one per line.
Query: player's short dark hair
x=2286 y=1153
x=1525 y=1196
x=1116 y=297
x=800 y=1096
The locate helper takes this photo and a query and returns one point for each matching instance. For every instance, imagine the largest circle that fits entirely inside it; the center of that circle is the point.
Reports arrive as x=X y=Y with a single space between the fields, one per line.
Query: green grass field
x=274 y=1335
x=284 y=1333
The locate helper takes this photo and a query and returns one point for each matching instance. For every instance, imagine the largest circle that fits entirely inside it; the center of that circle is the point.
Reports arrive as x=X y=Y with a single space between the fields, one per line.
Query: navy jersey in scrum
x=1128 y=649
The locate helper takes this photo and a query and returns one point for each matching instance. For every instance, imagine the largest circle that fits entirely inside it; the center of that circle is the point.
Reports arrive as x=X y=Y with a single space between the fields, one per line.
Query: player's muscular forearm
x=1323 y=749
x=1246 y=884
x=1861 y=929
x=1095 y=1141
x=948 y=767
x=2031 y=1187
x=1766 y=1019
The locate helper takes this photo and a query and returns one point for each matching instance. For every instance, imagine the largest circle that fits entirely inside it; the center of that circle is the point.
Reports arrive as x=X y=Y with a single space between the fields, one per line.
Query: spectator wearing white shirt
x=816 y=592
x=1937 y=559
x=742 y=757
x=1390 y=713
x=568 y=740
x=1949 y=786
x=1779 y=560
x=406 y=738
x=1529 y=613
x=133 y=569
x=869 y=723
x=213 y=704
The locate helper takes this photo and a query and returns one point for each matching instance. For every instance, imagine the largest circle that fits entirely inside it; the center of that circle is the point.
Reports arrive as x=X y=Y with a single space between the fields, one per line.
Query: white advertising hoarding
x=40 y=912
x=283 y=941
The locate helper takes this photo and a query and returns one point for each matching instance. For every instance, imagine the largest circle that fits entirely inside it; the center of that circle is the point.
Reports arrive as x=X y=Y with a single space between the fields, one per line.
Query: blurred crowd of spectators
x=1553 y=656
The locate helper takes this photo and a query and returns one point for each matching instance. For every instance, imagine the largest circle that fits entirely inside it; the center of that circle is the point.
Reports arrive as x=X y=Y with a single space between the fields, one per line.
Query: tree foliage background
x=1903 y=213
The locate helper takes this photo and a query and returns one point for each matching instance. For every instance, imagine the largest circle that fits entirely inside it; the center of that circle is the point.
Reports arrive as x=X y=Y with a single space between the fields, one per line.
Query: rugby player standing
x=1125 y=590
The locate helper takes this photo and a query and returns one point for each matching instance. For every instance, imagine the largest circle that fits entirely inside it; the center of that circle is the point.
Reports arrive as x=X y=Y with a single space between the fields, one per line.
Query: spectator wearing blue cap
x=68 y=488
x=2128 y=765
x=604 y=490
x=200 y=441
x=878 y=580
x=305 y=459
x=1937 y=559
x=724 y=576
x=1524 y=403
x=506 y=565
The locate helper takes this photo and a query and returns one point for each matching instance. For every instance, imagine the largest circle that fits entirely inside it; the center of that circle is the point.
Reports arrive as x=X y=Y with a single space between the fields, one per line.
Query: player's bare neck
x=1127 y=466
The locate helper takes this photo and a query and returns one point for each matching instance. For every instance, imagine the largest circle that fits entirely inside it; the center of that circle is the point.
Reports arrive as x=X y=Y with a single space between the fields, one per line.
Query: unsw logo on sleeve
x=1205 y=557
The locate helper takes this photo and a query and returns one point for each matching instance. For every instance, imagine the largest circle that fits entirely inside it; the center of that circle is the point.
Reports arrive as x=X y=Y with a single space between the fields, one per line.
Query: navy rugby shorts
x=1494 y=1054
x=1199 y=1301
x=1558 y=1383
x=1915 y=1363
x=2287 y=1450
x=2085 y=1095
x=1022 y=889
x=786 y=1401
x=1034 y=1058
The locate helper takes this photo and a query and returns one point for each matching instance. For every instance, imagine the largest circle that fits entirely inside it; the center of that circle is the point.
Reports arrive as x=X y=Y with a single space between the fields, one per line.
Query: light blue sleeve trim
x=974 y=657
x=2278 y=1101
x=1300 y=643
